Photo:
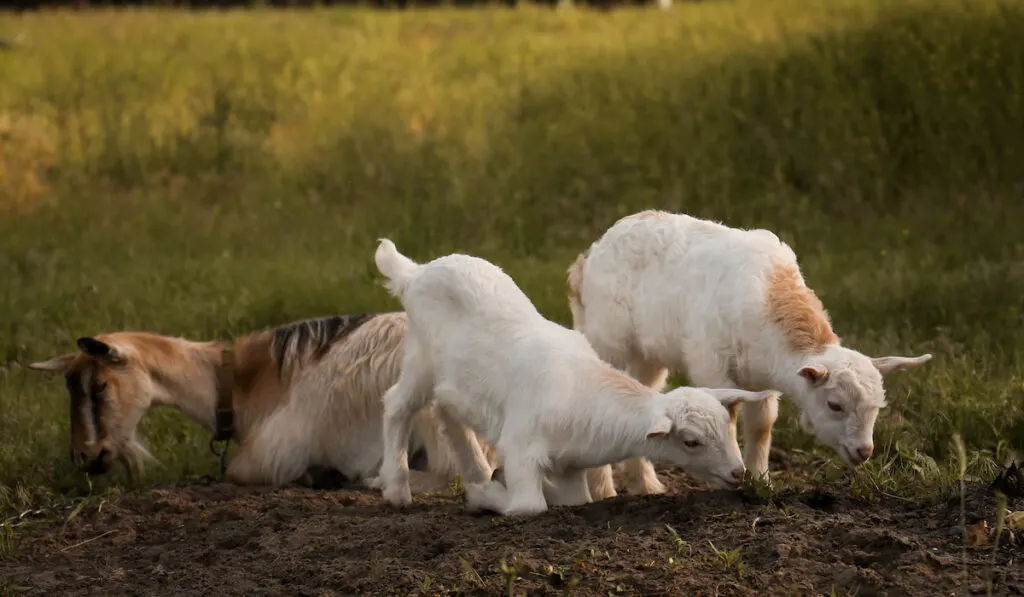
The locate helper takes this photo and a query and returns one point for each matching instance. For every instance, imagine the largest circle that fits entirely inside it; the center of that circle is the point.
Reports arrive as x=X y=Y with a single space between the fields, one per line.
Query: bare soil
x=224 y=540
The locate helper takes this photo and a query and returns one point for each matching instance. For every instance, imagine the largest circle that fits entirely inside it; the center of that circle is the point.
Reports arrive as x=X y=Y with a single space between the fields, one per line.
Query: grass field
x=204 y=174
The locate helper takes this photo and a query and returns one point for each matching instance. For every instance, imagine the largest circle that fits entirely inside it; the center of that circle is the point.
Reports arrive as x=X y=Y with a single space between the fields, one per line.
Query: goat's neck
x=619 y=421
x=190 y=384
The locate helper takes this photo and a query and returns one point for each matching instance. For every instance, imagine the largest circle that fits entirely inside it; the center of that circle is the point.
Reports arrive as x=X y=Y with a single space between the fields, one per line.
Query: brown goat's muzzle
x=98 y=464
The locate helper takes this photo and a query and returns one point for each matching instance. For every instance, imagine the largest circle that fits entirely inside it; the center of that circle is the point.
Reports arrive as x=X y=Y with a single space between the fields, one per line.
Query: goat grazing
x=298 y=397
x=479 y=352
x=661 y=291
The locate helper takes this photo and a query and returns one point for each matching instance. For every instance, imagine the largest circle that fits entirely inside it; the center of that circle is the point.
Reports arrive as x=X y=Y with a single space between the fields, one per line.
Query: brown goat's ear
x=59 y=364
x=99 y=349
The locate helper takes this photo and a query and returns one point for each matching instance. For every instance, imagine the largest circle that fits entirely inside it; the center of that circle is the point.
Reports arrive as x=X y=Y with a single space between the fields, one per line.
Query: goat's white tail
x=575 y=294
x=397 y=268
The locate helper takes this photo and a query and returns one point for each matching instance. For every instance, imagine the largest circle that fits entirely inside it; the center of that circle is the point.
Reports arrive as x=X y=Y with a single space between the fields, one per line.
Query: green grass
x=204 y=174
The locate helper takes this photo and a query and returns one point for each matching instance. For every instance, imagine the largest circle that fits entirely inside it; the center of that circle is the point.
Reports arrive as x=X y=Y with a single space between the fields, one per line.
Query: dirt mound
x=225 y=540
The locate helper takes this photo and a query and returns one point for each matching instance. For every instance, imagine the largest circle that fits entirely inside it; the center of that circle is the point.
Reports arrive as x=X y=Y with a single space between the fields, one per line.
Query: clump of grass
x=204 y=175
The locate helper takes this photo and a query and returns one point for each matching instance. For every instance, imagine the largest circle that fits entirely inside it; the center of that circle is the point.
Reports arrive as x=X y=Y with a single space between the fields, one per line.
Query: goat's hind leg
x=522 y=494
x=469 y=456
x=402 y=402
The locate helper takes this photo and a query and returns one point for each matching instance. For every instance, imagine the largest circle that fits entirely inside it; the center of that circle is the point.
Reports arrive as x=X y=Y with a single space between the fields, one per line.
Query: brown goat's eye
x=835 y=407
x=692 y=443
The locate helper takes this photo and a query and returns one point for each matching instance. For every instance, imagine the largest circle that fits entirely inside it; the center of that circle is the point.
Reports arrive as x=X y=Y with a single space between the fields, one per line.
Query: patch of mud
x=224 y=540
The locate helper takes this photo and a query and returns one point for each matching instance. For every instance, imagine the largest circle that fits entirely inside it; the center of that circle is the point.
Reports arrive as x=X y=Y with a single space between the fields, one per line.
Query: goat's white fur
x=479 y=351
x=661 y=291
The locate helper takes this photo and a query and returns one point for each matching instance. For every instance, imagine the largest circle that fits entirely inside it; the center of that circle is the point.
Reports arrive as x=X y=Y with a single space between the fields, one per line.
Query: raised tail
x=575 y=294
x=397 y=268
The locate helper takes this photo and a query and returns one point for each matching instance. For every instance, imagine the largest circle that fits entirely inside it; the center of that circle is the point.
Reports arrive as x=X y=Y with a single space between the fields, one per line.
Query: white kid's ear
x=660 y=427
x=59 y=364
x=816 y=374
x=889 y=364
x=730 y=397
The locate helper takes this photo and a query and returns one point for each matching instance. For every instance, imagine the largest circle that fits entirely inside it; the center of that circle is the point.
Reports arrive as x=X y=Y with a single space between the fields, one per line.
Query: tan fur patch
x=797 y=311
x=734 y=415
x=616 y=380
x=258 y=389
x=576 y=280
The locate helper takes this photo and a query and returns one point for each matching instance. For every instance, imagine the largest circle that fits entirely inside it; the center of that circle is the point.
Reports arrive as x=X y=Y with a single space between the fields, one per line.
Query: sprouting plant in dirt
x=760 y=487
x=456 y=487
x=864 y=485
x=7 y=543
x=727 y=560
x=682 y=548
x=424 y=585
x=961 y=455
x=471 y=573
x=851 y=593
x=511 y=572
x=557 y=577
x=1000 y=523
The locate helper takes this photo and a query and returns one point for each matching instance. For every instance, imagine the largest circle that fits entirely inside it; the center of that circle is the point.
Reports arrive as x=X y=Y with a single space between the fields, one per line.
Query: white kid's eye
x=691 y=443
x=835 y=407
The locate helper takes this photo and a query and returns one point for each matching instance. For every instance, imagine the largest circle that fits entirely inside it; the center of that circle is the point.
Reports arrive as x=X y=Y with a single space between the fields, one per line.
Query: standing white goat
x=481 y=352
x=662 y=291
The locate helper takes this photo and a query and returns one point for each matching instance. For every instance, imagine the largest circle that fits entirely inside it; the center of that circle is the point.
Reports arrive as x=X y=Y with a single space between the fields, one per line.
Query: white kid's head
x=691 y=429
x=842 y=396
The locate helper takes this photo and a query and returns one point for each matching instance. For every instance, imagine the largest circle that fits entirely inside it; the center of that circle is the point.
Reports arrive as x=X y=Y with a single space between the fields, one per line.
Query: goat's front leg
x=758 y=419
x=568 y=489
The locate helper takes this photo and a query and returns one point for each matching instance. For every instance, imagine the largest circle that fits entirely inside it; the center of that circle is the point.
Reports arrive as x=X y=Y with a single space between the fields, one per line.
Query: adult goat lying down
x=661 y=291
x=297 y=397
x=479 y=350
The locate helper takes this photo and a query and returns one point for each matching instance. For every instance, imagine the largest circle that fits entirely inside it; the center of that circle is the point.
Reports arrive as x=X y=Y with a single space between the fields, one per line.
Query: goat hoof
x=650 y=487
x=398 y=497
x=475 y=498
x=498 y=475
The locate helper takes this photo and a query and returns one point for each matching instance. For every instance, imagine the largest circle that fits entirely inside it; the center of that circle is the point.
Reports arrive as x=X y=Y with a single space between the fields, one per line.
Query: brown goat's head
x=110 y=390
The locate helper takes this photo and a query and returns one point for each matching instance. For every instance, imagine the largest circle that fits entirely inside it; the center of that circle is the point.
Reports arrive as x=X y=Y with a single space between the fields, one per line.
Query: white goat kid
x=661 y=291
x=482 y=353
x=298 y=397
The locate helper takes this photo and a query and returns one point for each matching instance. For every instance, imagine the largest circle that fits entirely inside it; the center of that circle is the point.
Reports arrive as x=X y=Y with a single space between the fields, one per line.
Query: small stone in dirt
x=783 y=550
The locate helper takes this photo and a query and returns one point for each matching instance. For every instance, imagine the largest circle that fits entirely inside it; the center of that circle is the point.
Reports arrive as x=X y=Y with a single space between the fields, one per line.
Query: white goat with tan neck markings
x=478 y=350
x=661 y=291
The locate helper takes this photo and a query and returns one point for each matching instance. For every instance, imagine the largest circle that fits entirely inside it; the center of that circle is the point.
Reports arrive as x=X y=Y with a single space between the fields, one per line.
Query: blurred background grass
x=204 y=174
